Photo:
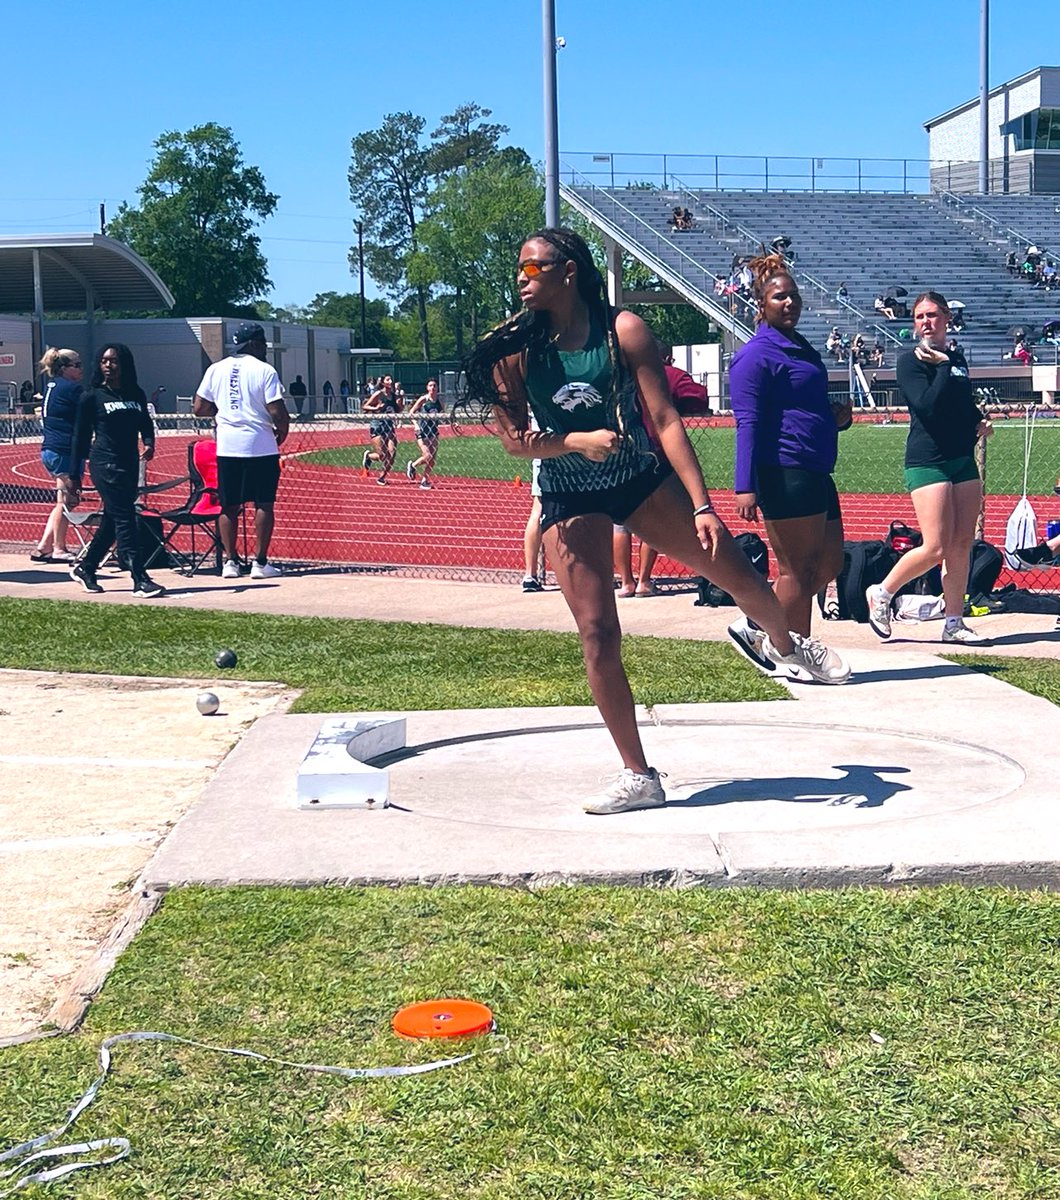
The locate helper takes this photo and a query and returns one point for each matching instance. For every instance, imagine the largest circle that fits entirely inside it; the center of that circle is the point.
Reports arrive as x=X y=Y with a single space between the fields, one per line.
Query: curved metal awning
x=77 y=271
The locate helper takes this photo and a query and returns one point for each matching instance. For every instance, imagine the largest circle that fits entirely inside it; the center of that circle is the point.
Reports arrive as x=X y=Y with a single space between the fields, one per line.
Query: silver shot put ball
x=207 y=703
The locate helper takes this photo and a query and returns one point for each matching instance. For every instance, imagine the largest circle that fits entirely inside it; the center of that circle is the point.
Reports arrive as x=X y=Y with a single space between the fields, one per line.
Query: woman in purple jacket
x=786 y=441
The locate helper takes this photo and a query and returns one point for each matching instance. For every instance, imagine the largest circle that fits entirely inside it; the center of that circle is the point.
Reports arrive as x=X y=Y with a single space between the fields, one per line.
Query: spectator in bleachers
x=1011 y=263
x=681 y=219
x=876 y=353
x=834 y=344
x=841 y=293
x=787 y=436
x=881 y=306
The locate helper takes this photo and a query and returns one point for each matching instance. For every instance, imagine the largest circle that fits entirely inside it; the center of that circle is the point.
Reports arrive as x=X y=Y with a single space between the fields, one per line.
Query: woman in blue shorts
x=384 y=405
x=62 y=395
x=940 y=470
x=583 y=369
x=430 y=404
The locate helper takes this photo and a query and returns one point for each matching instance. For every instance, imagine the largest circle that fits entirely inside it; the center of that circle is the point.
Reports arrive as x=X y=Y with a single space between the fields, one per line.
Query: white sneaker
x=963 y=636
x=627 y=792
x=264 y=571
x=750 y=642
x=810 y=661
x=879 y=611
x=231 y=570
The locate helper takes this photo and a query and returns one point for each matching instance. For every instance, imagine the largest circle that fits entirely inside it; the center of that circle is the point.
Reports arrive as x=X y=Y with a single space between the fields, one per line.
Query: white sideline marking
x=80 y=841
x=45 y=760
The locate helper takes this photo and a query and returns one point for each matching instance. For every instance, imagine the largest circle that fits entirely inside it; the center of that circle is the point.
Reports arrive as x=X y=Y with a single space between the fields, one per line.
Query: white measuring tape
x=34 y=1152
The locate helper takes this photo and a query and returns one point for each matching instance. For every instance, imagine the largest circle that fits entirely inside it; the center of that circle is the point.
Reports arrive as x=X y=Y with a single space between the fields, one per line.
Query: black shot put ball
x=225 y=658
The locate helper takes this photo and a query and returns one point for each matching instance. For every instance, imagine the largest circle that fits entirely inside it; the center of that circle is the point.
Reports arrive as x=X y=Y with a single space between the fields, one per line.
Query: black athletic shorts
x=247 y=480
x=618 y=503
x=786 y=492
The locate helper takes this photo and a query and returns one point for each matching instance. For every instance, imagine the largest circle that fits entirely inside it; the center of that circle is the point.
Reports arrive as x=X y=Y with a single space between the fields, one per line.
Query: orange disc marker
x=442 y=1018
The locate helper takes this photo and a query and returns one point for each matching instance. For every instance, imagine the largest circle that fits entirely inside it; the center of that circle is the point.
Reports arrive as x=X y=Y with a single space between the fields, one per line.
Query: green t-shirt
x=571 y=391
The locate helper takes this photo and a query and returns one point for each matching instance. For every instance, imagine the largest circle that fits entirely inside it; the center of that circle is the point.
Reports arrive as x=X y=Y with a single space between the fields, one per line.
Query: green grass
x=870 y=458
x=357 y=665
x=663 y=1044
x=675 y=1044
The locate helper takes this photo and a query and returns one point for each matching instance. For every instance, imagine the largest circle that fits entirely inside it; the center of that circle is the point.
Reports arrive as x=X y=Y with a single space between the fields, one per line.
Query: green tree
x=389 y=177
x=464 y=138
x=198 y=208
x=478 y=219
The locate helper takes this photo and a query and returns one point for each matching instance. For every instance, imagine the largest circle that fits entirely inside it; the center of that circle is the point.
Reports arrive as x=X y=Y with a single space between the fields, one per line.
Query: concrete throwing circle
x=722 y=777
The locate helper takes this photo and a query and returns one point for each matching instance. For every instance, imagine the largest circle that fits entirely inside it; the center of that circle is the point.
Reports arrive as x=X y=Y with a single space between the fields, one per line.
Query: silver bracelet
x=703 y=508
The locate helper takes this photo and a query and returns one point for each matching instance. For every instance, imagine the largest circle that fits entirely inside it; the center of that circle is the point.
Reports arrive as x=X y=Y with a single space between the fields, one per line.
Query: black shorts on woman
x=617 y=503
x=787 y=493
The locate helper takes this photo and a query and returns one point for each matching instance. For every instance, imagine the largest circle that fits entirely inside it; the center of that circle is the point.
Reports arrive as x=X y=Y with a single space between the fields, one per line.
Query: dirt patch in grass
x=97 y=770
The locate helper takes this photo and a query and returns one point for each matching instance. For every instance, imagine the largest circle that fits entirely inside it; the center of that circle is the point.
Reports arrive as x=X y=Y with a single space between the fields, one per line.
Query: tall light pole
x=364 y=326
x=548 y=58
x=984 y=96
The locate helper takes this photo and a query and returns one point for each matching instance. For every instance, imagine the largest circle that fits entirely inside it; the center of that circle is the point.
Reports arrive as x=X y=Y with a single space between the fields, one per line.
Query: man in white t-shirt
x=244 y=395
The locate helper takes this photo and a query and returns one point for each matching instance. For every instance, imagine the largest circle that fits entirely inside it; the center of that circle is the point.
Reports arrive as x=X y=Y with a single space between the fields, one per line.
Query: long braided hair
x=532 y=332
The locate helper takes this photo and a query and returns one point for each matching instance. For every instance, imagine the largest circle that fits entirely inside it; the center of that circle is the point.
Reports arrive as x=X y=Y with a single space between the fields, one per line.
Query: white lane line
x=82 y=841
x=50 y=760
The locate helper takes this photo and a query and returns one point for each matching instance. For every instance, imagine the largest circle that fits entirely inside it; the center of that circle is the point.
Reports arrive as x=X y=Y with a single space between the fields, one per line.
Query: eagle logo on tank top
x=577 y=395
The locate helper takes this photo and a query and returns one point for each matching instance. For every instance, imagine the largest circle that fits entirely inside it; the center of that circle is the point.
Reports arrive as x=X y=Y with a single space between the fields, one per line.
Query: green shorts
x=952 y=470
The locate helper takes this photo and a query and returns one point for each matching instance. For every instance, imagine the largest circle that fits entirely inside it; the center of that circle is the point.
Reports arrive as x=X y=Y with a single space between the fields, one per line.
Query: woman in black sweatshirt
x=940 y=470
x=113 y=419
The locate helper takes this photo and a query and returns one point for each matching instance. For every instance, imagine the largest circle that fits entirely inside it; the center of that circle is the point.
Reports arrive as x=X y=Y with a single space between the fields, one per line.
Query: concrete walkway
x=916 y=771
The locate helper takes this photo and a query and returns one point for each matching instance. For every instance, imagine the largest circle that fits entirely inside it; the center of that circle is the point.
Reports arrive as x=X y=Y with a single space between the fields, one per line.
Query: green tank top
x=571 y=391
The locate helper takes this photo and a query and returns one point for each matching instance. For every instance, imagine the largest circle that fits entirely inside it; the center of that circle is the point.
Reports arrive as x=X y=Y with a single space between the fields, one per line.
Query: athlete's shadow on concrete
x=860 y=786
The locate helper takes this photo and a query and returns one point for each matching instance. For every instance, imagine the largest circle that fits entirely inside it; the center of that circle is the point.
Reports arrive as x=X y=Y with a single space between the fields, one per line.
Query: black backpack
x=864 y=564
x=984 y=568
x=757 y=555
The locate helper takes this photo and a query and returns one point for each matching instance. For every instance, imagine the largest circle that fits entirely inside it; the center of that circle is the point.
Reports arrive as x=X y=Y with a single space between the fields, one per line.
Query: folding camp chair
x=198 y=513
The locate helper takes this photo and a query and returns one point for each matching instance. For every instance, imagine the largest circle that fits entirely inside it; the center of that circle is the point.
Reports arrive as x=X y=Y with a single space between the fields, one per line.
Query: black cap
x=248 y=333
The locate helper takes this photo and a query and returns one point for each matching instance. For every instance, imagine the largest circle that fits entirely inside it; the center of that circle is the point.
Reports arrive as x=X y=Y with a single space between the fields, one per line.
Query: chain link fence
x=334 y=511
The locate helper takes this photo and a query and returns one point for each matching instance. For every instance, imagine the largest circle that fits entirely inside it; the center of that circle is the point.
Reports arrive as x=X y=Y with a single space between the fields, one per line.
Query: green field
x=702 y=1044
x=870 y=458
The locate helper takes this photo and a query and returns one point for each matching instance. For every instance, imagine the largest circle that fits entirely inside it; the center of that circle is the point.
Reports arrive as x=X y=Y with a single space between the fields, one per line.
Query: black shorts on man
x=247 y=480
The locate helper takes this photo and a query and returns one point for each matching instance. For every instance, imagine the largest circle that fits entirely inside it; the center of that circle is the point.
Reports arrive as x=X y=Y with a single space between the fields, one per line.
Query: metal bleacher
x=871 y=242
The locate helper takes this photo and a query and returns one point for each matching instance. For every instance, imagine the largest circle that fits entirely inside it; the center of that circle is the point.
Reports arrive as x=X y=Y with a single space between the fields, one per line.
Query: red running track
x=464 y=528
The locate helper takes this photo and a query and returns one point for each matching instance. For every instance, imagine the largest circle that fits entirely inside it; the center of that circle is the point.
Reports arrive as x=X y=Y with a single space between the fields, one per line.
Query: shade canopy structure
x=67 y=271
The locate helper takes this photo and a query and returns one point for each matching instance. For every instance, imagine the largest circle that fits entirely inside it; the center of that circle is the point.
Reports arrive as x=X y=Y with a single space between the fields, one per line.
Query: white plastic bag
x=910 y=609
x=1021 y=533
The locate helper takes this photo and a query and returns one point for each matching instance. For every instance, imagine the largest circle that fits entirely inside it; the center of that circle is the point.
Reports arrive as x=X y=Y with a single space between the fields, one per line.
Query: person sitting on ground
x=1045 y=554
x=881 y=306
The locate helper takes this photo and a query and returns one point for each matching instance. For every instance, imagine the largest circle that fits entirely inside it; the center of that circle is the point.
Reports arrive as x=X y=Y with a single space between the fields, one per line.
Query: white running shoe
x=750 y=641
x=410 y=471
x=879 y=611
x=231 y=570
x=961 y=635
x=810 y=661
x=264 y=571
x=627 y=792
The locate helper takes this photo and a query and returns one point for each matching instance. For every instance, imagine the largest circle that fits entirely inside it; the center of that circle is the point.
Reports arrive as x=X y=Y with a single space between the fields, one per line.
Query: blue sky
x=828 y=78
